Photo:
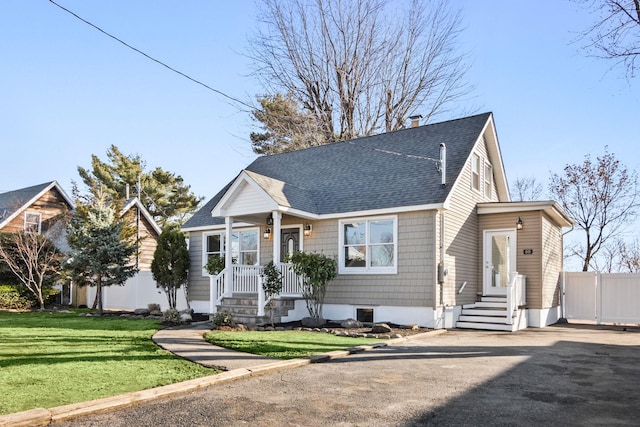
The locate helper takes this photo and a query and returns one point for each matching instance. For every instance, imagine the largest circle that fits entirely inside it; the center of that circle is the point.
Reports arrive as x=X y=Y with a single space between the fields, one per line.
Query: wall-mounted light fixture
x=519 y=224
x=307 y=229
x=267 y=233
x=270 y=220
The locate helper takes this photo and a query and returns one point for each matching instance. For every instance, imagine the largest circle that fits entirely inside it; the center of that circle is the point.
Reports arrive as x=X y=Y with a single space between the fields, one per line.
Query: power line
x=152 y=58
x=252 y=108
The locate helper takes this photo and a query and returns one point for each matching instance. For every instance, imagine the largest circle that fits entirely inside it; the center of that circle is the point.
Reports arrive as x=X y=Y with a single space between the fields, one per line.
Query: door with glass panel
x=499 y=260
x=289 y=242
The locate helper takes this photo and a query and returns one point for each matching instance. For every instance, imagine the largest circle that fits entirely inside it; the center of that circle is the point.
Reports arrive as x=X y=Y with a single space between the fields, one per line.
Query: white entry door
x=499 y=260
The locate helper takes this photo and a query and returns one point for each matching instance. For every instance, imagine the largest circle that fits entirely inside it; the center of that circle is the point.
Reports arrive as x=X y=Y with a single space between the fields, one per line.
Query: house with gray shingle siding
x=400 y=213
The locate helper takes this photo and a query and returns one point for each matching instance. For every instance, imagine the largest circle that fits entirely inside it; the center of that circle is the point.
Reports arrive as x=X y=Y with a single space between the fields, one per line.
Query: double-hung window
x=244 y=247
x=475 y=172
x=32 y=222
x=369 y=246
x=488 y=180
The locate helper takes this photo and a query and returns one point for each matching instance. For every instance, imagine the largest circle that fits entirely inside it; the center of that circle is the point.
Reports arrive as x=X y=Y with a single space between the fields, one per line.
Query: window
x=368 y=246
x=244 y=247
x=488 y=180
x=475 y=172
x=32 y=222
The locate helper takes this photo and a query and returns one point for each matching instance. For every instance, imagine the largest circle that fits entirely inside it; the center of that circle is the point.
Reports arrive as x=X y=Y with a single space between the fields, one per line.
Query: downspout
x=440 y=270
x=442 y=166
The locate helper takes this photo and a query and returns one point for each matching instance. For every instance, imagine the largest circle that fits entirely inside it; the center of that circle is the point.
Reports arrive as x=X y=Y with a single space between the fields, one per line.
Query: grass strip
x=283 y=344
x=49 y=359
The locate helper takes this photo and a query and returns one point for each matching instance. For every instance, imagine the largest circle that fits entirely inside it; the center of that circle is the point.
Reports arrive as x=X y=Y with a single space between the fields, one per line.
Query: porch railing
x=516 y=295
x=247 y=279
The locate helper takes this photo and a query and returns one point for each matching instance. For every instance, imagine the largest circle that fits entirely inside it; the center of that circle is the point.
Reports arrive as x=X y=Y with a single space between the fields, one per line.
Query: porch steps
x=244 y=309
x=488 y=314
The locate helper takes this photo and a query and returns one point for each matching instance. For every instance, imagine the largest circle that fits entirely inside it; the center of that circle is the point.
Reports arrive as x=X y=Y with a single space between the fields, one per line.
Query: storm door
x=499 y=260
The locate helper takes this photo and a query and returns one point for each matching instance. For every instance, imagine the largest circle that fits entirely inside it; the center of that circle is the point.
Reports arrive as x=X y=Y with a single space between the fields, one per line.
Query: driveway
x=560 y=375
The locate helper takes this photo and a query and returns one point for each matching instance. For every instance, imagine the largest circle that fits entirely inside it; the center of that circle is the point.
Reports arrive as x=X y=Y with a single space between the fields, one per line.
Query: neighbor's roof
x=134 y=201
x=14 y=202
x=389 y=170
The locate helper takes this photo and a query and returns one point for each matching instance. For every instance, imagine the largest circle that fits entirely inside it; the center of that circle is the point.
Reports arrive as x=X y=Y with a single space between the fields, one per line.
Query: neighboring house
x=42 y=209
x=147 y=231
x=419 y=220
x=37 y=208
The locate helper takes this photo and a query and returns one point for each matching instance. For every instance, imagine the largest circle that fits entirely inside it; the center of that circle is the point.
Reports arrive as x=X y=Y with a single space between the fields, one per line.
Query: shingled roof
x=12 y=202
x=394 y=169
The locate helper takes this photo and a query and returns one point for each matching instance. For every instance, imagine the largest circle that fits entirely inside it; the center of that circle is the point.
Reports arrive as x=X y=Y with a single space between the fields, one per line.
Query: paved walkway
x=188 y=342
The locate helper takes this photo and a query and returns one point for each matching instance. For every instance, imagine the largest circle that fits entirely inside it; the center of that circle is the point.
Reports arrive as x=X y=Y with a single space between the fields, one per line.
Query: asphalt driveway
x=560 y=375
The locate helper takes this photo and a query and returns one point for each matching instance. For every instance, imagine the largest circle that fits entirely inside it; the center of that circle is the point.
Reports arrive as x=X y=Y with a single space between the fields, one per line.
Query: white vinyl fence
x=139 y=291
x=602 y=297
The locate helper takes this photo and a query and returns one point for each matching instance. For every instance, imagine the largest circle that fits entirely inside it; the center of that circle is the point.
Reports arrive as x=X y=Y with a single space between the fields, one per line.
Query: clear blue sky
x=68 y=91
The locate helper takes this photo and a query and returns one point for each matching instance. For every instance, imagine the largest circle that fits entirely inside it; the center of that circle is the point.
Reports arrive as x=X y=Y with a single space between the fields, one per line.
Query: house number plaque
x=528 y=251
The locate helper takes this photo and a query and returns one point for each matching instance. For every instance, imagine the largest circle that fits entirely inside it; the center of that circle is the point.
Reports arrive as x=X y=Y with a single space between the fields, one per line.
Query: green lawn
x=51 y=359
x=284 y=344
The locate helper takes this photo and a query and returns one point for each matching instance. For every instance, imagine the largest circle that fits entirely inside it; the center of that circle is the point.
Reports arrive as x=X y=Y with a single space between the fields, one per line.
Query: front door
x=499 y=260
x=290 y=242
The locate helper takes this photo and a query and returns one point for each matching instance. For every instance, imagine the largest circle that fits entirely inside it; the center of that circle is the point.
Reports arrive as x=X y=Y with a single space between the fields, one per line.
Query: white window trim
x=38 y=214
x=222 y=234
x=479 y=172
x=368 y=269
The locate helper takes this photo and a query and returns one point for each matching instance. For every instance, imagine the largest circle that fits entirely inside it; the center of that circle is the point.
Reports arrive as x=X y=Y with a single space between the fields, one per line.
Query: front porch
x=239 y=290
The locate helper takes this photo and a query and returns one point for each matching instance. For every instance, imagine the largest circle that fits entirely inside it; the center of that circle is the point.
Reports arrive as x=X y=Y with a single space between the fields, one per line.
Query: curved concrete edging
x=43 y=417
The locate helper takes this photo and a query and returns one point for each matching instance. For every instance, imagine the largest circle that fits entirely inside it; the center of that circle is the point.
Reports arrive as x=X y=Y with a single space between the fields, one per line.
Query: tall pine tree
x=164 y=194
x=102 y=246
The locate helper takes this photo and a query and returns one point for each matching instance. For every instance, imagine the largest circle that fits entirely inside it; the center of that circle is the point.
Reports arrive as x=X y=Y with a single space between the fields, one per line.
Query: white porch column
x=277 y=220
x=228 y=260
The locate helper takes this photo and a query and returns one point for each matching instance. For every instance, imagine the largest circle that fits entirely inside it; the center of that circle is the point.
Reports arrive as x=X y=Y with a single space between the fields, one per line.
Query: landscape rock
x=155 y=313
x=381 y=328
x=141 y=311
x=351 y=324
x=185 y=317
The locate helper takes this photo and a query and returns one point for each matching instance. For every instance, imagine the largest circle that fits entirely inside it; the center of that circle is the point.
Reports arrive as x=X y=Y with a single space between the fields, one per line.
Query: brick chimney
x=415 y=120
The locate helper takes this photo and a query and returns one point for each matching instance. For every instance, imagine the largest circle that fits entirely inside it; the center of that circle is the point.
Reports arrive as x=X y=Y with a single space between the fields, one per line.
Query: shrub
x=223 y=318
x=317 y=271
x=171 y=315
x=11 y=298
x=214 y=265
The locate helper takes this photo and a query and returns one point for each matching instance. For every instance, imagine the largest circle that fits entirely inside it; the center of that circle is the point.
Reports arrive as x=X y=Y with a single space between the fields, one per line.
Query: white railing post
x=512 y=297
x=213 y=293
x=261 y=296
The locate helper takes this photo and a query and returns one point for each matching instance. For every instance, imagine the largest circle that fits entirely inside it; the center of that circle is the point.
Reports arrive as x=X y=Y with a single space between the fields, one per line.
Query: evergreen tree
x=170 y=263
x=102 y=246
x=162 y=193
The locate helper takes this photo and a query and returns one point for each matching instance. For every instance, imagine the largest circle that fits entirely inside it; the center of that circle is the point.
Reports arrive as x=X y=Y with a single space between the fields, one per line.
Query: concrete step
x=483 y=312
x=486 y=326
x=482 y=319
x=494 y=299
x=484 y=304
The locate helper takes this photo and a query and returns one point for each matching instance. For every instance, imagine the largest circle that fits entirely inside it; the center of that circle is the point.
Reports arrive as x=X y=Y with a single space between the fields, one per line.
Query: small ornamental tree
x=170 y=265
x=271 y=284
x=34 y=261
x=317 y=271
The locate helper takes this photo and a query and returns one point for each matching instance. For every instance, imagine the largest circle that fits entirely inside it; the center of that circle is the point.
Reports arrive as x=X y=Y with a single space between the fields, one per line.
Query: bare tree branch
x=616 y=33
x=363 y=66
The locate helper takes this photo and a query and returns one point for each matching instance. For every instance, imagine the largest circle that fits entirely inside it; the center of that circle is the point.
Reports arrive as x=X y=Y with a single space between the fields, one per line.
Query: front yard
x=49 y=359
